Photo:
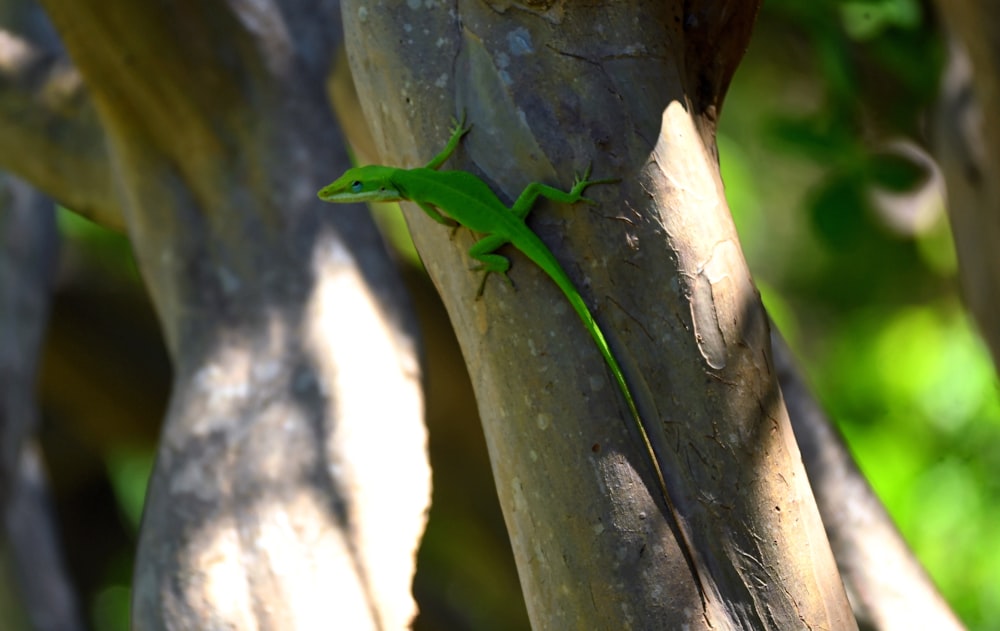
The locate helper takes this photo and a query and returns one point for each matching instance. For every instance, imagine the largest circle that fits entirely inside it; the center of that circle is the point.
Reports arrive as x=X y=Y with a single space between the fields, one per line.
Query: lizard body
x=459 y=198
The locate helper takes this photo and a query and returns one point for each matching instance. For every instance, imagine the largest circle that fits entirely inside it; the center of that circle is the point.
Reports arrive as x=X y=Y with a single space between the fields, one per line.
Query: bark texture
x=634 y=89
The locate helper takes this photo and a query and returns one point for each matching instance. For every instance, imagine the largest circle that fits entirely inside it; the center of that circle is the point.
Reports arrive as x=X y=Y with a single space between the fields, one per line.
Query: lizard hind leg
x=490 y=262
x=582 y=180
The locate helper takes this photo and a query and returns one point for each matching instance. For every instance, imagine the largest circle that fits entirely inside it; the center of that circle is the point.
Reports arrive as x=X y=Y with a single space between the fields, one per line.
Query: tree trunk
x=634 y=90
x=270 y=506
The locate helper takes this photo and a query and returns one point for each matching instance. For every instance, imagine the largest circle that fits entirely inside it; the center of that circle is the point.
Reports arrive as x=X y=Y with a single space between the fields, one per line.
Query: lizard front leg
x=458 y=129
x=533 y=191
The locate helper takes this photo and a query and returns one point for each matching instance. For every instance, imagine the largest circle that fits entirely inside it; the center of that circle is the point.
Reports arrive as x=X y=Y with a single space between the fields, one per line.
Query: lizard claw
x=486 y=274
x=582 y=181
x=458 y=125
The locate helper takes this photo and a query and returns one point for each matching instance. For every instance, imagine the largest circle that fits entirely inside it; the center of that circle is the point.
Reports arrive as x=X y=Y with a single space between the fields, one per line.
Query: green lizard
x=466 y=200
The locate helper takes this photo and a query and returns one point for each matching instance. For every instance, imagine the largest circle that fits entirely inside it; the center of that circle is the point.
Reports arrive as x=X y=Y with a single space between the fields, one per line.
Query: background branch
x=49 y=132
x=967 y=142
x=30 y=550
x=280 y=316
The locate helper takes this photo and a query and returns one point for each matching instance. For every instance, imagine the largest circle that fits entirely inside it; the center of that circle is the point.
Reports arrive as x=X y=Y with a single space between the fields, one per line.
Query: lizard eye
x=356 y=186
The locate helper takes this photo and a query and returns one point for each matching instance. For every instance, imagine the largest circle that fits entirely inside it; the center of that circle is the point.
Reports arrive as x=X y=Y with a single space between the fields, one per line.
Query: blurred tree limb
x=28 y=538
x=968 y=148
x=270 y=483
x=49 y=132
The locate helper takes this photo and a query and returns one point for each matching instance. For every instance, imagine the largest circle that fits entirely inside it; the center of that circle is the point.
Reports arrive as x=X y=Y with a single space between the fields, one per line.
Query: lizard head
x=361 y=184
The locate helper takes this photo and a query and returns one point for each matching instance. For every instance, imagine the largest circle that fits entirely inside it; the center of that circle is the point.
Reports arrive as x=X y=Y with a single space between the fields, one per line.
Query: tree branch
x=889 y=589
x=49 y=132
x=659 y=262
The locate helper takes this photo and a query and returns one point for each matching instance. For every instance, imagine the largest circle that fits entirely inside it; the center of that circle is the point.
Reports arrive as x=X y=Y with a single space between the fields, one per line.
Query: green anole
x=466 y=200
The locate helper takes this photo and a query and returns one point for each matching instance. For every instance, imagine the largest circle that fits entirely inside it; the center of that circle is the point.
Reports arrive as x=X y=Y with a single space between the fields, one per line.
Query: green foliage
x=103 y=249
x=128 y=471
x=872 y=310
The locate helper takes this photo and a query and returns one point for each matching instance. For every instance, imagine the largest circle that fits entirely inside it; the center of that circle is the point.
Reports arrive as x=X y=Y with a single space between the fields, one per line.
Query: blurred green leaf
x=107 y=250
x=111 y=609
x=894 y=172
x=865 y=19
x=875 y=313
x=129 y=471
x=838 y=210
